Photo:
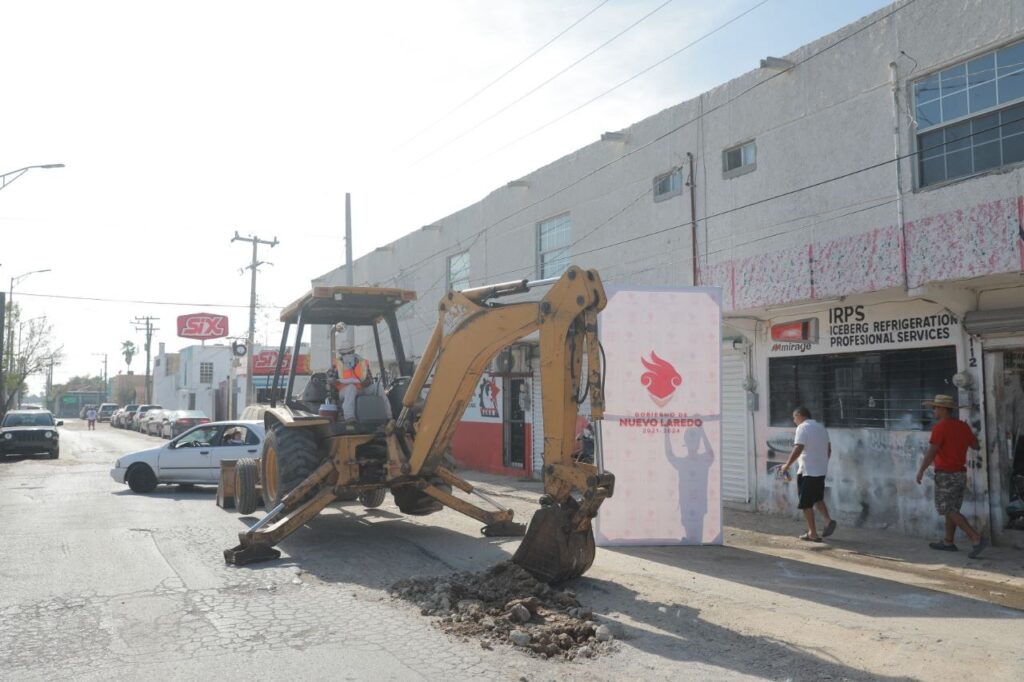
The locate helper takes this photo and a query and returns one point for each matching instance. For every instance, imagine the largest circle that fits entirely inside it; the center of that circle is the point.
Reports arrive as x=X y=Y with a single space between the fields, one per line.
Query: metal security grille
x=206 y=372
x=879 y=389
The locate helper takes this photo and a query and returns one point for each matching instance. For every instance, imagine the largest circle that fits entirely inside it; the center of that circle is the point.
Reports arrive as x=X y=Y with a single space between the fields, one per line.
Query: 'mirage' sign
x=202 y=326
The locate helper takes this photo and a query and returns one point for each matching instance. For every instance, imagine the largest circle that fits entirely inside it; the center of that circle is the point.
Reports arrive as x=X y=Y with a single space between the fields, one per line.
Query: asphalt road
x=101 y=583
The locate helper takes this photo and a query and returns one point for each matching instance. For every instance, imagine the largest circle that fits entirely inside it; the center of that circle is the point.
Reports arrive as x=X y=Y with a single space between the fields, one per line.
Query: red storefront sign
x=798 y=330
x=265 y=362
x=202 y=326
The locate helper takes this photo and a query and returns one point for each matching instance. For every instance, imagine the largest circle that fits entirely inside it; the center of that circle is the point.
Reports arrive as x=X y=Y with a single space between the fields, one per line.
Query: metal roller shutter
x=735 y=455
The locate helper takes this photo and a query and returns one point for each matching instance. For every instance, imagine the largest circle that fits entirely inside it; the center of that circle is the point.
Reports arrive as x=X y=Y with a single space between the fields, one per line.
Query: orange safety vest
x=360 y=372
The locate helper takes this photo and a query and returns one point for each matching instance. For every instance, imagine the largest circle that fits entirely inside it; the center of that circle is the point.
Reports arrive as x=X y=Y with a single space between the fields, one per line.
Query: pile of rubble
x=505 y=604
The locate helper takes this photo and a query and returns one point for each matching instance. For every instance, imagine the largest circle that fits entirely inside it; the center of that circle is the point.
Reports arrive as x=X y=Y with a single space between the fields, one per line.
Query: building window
x=878 y=389
x=206 y=372
x=668 y=185
x=553 y=245
x=458 y=271
x=970 y=117
x=739 y=159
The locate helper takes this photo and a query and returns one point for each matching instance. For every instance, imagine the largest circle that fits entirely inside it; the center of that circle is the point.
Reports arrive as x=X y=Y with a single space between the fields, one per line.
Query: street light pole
x=10 y=176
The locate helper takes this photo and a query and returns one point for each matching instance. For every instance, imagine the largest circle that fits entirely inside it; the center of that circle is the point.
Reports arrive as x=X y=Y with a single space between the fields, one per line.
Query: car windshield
x=38 y=419
x=201 y=436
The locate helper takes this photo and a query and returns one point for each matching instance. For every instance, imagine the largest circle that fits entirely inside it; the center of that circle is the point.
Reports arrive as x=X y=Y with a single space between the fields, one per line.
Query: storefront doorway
x=1004 y=380
x=515 y=443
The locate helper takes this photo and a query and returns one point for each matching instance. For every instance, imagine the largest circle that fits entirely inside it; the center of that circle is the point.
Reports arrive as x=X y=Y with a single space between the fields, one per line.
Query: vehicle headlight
x=8 y=436
x=48 y=434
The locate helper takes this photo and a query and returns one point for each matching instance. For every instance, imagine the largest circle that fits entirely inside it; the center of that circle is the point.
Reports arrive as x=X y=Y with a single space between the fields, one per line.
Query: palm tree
x=128 y=351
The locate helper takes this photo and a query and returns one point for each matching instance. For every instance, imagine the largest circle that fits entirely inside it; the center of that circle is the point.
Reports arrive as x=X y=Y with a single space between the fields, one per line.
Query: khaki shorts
x=949 y=491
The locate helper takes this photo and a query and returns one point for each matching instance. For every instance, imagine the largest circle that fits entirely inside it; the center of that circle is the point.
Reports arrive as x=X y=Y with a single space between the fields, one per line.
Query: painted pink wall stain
x=982 y=240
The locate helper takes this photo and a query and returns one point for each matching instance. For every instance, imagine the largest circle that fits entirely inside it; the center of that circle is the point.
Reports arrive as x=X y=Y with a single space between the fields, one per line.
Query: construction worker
x=354 y=378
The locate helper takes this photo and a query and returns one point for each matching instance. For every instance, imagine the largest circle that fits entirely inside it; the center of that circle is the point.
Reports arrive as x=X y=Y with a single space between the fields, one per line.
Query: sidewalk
x=997 y=577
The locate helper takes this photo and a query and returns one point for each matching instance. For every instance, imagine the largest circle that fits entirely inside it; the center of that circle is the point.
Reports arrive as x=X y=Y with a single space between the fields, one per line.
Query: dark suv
x=30 y=432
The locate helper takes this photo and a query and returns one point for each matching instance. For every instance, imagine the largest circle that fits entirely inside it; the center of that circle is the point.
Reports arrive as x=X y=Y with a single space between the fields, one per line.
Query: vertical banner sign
x=661 y=434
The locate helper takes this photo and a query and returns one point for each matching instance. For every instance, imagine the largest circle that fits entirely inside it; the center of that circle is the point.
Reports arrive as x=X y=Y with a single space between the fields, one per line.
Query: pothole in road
x=505 y=605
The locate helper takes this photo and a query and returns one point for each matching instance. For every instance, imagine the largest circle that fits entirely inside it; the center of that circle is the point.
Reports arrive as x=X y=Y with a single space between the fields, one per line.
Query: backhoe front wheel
x=289 y=457
x=373 y=498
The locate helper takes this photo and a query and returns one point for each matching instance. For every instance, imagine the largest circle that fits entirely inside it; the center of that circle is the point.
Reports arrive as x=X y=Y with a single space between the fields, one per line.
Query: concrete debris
x=505 y=604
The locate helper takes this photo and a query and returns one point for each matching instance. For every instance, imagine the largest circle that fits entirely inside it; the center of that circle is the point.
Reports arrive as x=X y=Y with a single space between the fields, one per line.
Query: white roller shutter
x=735 y=454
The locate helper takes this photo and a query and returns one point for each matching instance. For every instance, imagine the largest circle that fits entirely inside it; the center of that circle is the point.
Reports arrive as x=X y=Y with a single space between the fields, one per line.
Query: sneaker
x=943 y=547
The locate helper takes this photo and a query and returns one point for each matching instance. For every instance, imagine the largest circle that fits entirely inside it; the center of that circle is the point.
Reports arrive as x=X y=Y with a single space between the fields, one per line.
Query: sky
x=180 y=123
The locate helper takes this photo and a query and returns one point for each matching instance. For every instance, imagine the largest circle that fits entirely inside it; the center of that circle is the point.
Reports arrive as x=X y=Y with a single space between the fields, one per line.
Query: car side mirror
x=60 y=422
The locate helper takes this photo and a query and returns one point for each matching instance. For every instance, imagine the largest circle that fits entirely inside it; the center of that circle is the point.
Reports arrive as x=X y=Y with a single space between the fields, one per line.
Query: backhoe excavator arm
x=472 y=327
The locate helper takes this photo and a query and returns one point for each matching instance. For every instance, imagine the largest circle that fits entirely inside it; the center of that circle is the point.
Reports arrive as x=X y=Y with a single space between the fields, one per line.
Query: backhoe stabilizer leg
x=554 y=549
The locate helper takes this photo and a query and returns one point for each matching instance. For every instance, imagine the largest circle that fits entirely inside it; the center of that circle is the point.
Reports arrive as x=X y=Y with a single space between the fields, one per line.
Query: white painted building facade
x=882 y=280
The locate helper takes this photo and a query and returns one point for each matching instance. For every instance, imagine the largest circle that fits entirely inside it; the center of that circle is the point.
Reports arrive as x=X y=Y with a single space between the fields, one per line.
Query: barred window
x=553 y=245
x=206 y=372
x=458 y=271
x=970 y=117
x=668 y=185
x=877 y=389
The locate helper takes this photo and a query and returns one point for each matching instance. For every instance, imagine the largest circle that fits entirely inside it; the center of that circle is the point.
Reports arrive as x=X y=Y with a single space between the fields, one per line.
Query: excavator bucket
x=553 y=551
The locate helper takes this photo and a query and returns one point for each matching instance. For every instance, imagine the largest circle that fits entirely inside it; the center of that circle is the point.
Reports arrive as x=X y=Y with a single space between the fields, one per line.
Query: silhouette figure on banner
x=692 y=471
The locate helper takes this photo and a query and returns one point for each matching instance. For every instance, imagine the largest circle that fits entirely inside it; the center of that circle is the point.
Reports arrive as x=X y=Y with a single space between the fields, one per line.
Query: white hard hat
x=346 y=348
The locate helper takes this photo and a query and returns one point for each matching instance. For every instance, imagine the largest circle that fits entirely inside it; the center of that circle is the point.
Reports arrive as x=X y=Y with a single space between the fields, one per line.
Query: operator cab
x=359 y=308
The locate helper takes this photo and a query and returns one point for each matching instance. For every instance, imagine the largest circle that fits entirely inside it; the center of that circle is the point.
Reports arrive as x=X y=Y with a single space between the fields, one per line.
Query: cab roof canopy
x=351 y=305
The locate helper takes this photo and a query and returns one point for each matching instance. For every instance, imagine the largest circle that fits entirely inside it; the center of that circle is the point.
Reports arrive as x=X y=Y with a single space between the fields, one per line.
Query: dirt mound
x=507 y=605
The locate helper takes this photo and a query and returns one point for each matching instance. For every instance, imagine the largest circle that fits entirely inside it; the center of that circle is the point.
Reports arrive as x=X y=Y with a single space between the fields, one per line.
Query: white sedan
x=192 y=457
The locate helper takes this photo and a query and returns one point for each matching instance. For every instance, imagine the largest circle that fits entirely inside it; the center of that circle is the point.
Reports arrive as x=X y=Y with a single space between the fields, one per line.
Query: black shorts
x=811 y=490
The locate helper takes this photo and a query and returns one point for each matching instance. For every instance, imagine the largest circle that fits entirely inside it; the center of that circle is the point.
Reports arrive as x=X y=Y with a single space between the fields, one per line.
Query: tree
x=35 y=354
x=128 y=350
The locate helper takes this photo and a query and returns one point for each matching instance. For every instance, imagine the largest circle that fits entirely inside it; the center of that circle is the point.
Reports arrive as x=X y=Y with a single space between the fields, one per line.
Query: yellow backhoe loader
x=310 y=458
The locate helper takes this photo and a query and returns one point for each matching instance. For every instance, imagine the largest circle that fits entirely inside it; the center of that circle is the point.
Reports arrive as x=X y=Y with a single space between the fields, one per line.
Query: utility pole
x=250 y=389
x=147 y=326
x=350 y=333
x=106 y=394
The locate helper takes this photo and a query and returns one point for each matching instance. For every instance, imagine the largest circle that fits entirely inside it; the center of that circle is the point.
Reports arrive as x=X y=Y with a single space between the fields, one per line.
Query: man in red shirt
x=948 y=451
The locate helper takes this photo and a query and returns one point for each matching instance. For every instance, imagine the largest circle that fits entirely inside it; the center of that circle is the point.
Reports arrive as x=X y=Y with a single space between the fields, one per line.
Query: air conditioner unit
x=511 y=360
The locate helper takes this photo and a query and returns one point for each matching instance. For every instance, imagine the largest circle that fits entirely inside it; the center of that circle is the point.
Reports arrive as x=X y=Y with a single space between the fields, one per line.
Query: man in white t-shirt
x=812 y=448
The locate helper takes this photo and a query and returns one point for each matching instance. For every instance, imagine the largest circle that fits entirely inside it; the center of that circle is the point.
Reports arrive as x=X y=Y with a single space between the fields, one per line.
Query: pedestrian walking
x=947 y=452
x=90 y=416
x=811 y=450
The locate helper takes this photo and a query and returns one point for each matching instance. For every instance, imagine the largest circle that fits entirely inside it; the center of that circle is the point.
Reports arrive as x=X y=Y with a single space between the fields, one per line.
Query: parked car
x=136 y=423
x=179 y=421
x=30 y=432
x=146 y=421
x=106 y=411
x=129 y=416
x=120 y=418
x=192 y=457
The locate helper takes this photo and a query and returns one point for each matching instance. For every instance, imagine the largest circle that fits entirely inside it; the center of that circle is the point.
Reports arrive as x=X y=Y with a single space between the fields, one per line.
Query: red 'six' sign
x=202 y=326
x=265 y=362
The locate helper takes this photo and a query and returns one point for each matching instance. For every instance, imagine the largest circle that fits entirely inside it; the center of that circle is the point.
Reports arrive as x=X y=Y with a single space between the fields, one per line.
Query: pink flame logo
x=661 y=379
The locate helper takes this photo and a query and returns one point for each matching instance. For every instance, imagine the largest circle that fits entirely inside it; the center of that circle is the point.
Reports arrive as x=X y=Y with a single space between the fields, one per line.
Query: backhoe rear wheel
x=289 y=457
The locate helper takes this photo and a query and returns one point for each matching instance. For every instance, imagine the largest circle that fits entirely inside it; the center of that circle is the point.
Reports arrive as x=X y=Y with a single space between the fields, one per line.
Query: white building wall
x=189 y=383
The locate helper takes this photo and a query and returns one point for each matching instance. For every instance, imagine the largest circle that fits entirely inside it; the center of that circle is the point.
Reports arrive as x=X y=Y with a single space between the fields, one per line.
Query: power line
x=98 y=299
x=628 y=80
x=425 y=260
x=538 y=87
x=495 y=81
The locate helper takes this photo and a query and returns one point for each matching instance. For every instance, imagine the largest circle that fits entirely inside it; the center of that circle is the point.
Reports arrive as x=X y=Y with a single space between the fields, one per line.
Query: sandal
x=943 y=547
x=829 y=529
x=806 y=537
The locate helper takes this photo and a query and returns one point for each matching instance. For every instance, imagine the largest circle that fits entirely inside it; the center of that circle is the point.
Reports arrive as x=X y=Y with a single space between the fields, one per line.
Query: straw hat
x=942 y=401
